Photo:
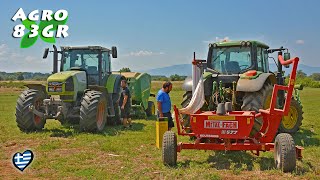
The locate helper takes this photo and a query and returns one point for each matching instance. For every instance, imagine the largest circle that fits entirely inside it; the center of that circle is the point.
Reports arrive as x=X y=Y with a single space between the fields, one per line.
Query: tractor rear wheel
x=292 y=122
x=151 y=110
x=169 y=148
x=186 y=100
x=26 y=120
x=253 y=101
x=93 y=111
x=285 y=152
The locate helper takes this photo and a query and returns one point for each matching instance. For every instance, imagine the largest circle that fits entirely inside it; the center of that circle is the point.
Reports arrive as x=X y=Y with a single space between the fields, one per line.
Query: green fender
x=113 y=83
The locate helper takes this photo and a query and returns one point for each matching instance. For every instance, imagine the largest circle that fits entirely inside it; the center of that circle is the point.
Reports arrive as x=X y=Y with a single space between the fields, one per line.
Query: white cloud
x=144 y=53
x=299 y=41
x=217 y=39
x=3 y=50
x=16 y=61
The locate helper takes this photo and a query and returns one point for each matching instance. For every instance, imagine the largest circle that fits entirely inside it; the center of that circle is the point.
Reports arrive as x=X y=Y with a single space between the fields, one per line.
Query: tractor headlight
x=243 y=43
x=248 y=43
x=54 y=86
x=69 y=86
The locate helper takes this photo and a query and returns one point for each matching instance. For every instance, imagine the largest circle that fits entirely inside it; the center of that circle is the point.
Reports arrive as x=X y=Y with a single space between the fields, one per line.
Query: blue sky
x=151 y=34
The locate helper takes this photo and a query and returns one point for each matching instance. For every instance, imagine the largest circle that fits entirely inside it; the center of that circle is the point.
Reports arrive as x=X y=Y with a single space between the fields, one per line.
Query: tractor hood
x=67 y=84
x=62 y=76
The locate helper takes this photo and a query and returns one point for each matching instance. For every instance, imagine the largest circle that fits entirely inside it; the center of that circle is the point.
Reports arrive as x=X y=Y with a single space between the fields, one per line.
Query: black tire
x=169 y=148
x=185 y=102
x=253 y=101
x=292 y=122
x=93 y=111
x=116 y=120
x=285 y=152
x=150 y=111
x=26 y=120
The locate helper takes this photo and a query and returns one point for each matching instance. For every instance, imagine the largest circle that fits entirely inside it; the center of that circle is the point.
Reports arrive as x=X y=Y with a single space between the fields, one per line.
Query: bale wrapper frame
x=229 y=130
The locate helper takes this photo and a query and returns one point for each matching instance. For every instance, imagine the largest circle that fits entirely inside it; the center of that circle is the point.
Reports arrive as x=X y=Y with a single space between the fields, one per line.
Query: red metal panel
x=222 y=147
x=236 y=125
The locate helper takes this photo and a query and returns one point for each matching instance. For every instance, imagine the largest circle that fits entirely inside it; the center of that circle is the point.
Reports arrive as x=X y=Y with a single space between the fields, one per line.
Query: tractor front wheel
x=285 y=152
x=93 y=111
x=292 y=122
x=169 y=148
x=26 y=120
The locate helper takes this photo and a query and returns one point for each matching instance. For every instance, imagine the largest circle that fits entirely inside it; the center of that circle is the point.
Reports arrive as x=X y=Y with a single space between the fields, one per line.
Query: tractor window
x=231 y=60
x=106 y=62
x=262 y=60
x=85 y=59
x=266 y=64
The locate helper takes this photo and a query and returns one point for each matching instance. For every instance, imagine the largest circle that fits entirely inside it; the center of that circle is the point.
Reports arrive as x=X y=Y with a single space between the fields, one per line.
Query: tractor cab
x=95 y=60
x=237 y=57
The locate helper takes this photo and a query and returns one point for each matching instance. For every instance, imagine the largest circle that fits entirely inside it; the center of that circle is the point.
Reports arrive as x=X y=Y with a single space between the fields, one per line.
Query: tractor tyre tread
x=253 y=101
x=169 y=148
x=25 y=118
x=89 y=111
x=287 y=152
x=186 y=100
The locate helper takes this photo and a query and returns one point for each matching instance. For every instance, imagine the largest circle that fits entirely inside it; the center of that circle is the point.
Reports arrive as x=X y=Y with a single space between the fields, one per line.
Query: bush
x=306 y=82
x=159 y=78
x=125 y=69
x=176 y=77
x=315 y=76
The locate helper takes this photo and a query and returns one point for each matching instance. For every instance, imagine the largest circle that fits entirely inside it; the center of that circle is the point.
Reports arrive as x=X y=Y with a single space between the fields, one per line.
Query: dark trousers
x=170 y=120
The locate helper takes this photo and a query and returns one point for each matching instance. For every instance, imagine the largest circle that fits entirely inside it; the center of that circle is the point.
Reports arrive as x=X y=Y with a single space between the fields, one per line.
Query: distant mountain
x=305 y=68
x=186 y=70
x=180 y=69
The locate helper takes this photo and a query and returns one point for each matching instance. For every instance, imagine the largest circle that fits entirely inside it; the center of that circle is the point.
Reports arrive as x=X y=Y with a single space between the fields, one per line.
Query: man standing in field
x=125 y=104
x=164 y=103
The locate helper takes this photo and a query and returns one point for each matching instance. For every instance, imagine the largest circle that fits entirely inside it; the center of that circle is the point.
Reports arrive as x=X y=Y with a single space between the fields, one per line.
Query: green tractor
x=84 y=91
x=238 y=72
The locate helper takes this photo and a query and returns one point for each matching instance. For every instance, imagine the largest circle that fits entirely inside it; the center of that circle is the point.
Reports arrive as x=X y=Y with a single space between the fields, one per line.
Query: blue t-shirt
x=164 y=98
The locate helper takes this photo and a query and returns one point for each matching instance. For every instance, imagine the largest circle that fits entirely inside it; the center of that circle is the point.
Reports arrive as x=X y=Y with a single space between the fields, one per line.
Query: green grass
x=63 y=152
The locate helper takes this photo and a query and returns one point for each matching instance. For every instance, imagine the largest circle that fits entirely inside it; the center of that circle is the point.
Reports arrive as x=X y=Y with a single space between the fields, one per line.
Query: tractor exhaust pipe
x=55 y=59
x=196 y=73
x=281 y=93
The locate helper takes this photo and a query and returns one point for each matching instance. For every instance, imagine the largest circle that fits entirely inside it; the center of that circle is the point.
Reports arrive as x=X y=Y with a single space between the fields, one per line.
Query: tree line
x=4 y=76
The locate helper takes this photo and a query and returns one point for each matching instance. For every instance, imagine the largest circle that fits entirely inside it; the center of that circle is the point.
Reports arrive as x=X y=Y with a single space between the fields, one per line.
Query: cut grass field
x=64 y=153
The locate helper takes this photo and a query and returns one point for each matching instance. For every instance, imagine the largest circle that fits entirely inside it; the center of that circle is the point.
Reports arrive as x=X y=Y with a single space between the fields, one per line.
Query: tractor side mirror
x=45 y=54
x=114 y=52
x=286 y=56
